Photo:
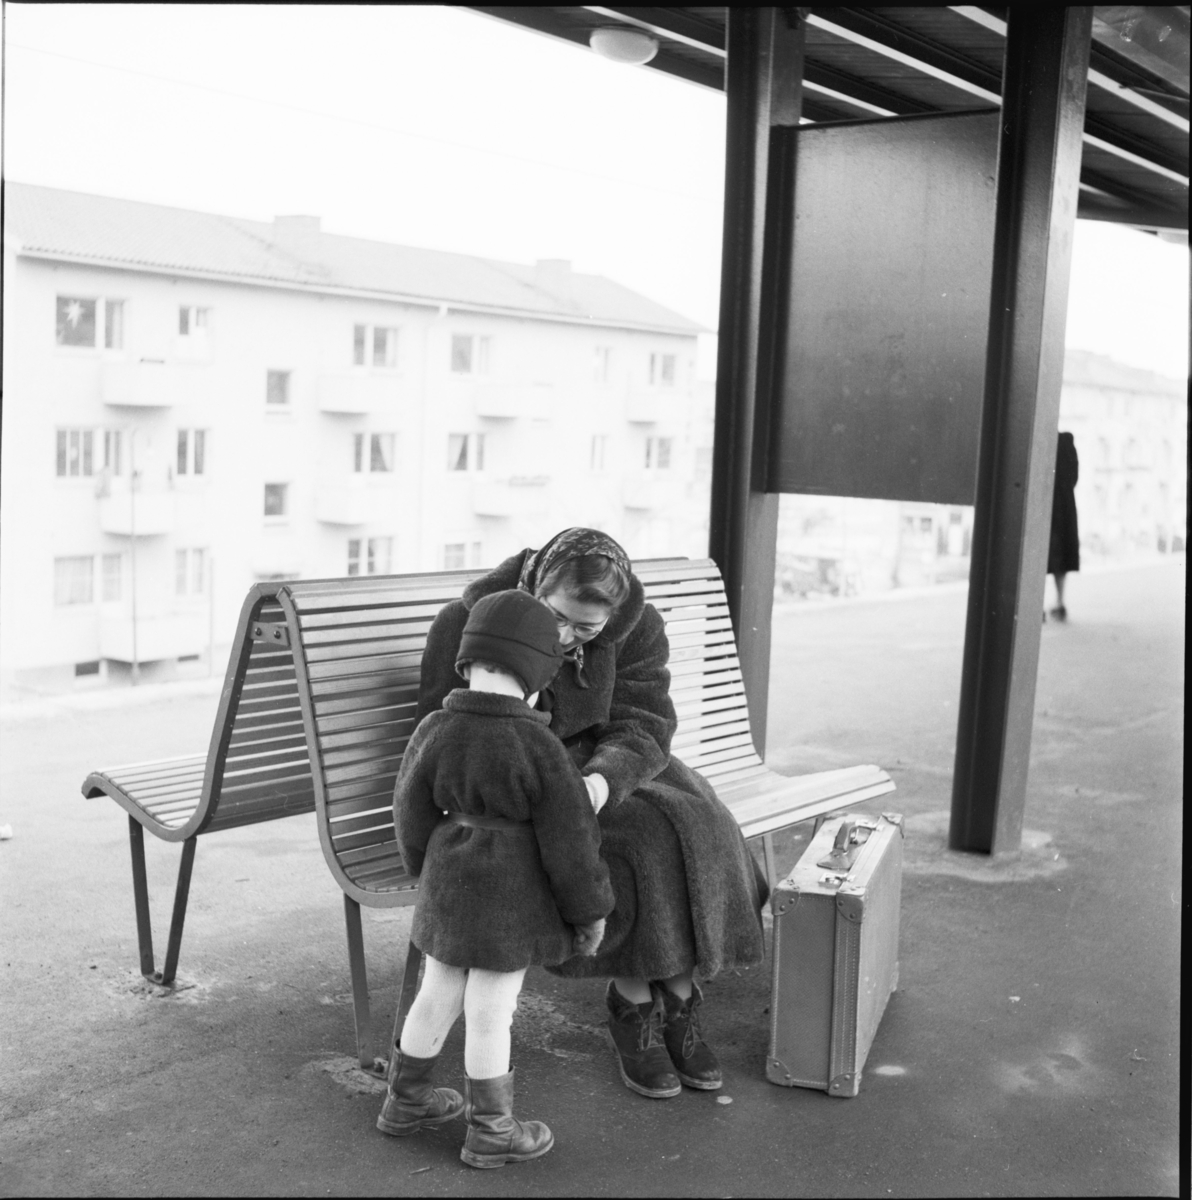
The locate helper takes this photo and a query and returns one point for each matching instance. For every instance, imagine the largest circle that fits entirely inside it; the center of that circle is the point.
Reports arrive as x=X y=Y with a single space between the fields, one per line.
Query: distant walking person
x=1064 y=553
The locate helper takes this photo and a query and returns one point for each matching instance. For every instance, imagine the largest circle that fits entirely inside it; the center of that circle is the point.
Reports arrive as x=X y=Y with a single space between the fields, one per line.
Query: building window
x=602 y=366
x=465 y=452
x=193 y=321
x=459 y=555
x=74 y=580
x=74 y=452
x=384 y=345
x=276 y=499
x=111 y=451
x=277 y=387
x=658 y=453
x=381 y=450
x=662 y=370
x=113 y=324
x=87 y=668
x=190 y=572
x=113 y=577
x=76 y=321
x=597 y=452
x=377 y=553
x=470 y=354
x=192 y=451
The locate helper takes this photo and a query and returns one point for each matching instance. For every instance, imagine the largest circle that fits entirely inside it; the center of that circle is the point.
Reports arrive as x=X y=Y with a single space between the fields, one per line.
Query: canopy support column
x=763 y=85
x=1043 y=96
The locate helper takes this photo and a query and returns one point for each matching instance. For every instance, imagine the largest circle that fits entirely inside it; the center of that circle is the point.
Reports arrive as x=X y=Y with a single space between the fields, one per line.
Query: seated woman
x=688 y=892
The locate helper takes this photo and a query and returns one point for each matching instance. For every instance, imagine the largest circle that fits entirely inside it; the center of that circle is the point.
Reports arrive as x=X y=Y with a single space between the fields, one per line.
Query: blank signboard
x=882 y=306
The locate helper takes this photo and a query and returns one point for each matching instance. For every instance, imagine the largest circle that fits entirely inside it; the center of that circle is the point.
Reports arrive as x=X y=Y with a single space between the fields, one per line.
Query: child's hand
x=587 y=938
x=597 y=787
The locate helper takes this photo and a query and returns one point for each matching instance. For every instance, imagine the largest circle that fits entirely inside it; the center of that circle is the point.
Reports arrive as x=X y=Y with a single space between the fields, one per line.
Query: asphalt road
x=1032 y=1048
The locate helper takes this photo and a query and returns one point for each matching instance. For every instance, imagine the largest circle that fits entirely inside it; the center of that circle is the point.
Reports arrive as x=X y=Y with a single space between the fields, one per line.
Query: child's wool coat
x=497 y=899
x=688 y=892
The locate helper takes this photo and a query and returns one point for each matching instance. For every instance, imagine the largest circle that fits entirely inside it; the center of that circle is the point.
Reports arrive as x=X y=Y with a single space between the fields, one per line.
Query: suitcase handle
x=847 y=845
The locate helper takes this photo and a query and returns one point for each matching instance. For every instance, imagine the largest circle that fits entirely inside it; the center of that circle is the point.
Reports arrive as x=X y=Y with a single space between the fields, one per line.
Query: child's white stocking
x=439 y=1001
x=490 y=1001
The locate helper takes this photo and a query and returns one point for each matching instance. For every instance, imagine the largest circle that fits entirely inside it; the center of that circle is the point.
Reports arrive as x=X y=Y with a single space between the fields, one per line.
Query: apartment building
x=194 y=402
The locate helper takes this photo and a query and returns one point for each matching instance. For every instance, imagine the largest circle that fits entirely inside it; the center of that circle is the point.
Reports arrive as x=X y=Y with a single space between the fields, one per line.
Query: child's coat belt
x=458 y=818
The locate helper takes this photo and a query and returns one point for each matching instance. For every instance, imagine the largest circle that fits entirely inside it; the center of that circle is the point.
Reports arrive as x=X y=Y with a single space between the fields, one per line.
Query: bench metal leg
x=140 y=891
x=771 y=864
x=359 y=972
x=409 y=989
x=181 y=895
x=406 y=994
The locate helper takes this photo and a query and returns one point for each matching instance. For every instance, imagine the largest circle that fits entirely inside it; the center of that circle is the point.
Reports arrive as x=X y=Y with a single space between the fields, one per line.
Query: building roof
x=105 y=231
x=1085 y=368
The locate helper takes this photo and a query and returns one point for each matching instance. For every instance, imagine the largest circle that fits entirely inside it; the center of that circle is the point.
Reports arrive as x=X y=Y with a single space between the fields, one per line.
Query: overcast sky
x=440 y=127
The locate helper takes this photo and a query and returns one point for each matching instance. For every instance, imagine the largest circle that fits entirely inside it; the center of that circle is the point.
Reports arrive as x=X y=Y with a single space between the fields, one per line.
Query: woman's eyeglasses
x=577 y=627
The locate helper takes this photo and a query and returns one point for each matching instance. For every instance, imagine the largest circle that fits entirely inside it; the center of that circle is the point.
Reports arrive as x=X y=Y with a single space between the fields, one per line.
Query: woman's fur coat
x=688 y=893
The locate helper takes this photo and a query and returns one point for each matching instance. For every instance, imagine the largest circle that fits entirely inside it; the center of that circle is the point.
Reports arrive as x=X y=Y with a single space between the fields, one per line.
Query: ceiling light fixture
x=623 y=45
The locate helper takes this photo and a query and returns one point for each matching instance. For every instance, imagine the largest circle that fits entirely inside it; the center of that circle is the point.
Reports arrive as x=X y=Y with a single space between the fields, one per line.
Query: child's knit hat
x=513 y=630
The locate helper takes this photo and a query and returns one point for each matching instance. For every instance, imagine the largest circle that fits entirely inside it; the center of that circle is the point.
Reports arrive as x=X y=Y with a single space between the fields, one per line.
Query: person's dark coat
x=1063 y=554
x=688 y=892
x=497 y=899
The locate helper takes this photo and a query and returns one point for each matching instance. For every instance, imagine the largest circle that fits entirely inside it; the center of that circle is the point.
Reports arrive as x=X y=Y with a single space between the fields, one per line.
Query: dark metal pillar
x=1043 y=93
x=763 y=85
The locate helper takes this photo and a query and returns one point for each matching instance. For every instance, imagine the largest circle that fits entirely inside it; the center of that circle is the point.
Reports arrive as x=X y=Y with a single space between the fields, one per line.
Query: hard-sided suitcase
x=835 y=953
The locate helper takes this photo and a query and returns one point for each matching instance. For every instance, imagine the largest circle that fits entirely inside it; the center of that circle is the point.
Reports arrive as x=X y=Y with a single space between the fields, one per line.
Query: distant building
x=296 y=403
x=1131 y=432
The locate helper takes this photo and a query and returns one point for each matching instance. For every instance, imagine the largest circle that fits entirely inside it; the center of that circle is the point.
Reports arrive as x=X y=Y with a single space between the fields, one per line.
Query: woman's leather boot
x=411 y=1101
x=635 y=1031
x=495 y=1135
x=693 y=1059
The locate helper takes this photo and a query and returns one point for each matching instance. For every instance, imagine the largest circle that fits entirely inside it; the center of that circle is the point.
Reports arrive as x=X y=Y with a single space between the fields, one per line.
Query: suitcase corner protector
x=777 y=1072
x=847 y=1084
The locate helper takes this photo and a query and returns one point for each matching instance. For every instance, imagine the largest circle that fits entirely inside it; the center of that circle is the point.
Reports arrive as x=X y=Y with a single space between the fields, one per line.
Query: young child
x=510 y=877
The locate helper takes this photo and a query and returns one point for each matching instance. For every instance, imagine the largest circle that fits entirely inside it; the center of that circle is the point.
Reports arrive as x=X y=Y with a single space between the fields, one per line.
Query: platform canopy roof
x=866 y=63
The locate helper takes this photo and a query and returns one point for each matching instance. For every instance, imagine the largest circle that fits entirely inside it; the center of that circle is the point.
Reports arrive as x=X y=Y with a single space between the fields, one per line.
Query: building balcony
x=508 y=401
x=146 y=512
x=147 y=383
x=356 y=392
x=344 y=503
x=650 y=489
x=158 y=635
x=518 y=496
x=648 y=406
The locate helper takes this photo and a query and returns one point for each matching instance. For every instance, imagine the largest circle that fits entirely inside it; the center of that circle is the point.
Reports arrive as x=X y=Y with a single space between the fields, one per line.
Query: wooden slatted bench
x=319 y=704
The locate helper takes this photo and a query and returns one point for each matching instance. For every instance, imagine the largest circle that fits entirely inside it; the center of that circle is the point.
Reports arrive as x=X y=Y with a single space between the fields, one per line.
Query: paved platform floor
x=1033 y=1048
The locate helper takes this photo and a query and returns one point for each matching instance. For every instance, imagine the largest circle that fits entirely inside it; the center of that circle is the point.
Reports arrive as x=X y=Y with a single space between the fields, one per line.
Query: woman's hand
x=587 y=938
x=597 y=787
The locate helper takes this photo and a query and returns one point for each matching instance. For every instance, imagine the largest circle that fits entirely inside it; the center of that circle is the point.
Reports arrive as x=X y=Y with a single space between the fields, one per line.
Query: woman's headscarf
x=570 y=543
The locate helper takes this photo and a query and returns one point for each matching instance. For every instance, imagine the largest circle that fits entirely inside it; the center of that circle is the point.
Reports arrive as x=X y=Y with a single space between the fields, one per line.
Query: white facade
x=264 y=447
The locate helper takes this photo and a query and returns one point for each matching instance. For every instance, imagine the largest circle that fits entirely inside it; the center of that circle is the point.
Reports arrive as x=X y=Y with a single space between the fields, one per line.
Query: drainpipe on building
x=132 y=532
x=210 y=617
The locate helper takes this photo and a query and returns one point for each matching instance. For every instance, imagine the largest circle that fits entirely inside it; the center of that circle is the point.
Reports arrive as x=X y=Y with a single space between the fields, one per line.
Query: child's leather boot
x=412 y=1101
x=495 y=1135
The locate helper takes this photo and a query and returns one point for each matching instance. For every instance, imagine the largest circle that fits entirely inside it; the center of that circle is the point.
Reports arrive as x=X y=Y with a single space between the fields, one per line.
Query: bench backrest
x=358 y=647
x=258 y=767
